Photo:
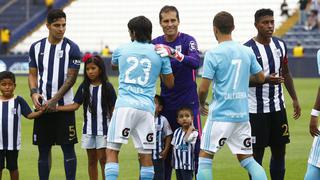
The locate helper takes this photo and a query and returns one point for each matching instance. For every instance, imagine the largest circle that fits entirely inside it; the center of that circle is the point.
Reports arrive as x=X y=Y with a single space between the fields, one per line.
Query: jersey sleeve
x=167 y=131
x=74 y=57
x=193 y=137
x=32 y=58
x=25 y=108
x=254 y=66
x=174 y=138
x=209 y=66
x=78 y=98
x=192 y=57
x=115 y=57
x=166 y=66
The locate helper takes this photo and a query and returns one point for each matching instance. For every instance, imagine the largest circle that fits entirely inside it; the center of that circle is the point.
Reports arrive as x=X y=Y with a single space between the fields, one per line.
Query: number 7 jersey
x=139 y=68
x=229 y=66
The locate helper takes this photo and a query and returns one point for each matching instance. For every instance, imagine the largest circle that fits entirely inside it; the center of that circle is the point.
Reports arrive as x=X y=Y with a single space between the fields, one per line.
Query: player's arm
x=288 y=82
x=70 y=107
x=167 y=146
x=313 y=125
x=191 y=135
x=33 y=85
x=34 y=114
x=258 y=78
x=168 y=80
x=69 y=82
x=203 y=93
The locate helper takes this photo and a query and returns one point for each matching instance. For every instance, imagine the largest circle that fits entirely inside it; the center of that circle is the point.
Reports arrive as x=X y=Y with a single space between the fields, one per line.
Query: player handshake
x=167 y=51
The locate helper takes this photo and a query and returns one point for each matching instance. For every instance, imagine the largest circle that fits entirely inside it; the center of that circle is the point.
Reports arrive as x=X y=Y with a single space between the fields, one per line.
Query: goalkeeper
x=185 y=60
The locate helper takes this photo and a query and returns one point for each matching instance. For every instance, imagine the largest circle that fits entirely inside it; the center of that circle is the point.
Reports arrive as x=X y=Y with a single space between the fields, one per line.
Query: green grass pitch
x=225 y=165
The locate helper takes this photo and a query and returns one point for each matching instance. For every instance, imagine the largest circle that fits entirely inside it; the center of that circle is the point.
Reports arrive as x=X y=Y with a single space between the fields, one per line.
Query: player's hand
x=164 y=153
x=167 y=51
x=50 y=106
x=296 y=109
x=204 y=109
x=273 y=79
x=36 y=99
x=313 y=126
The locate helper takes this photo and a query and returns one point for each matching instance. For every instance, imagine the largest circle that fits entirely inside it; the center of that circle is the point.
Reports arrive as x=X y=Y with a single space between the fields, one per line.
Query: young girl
x=98 y=98
x=183 y=142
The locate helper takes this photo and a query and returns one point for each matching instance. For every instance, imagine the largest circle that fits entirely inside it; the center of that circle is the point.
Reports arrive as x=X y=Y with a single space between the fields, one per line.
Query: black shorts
x=269 y=129
x=55 y=128
x=11 y=158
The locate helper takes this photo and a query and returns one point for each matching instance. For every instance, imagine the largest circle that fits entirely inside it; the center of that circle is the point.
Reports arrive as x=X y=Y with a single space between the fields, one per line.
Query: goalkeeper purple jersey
x=184 y=92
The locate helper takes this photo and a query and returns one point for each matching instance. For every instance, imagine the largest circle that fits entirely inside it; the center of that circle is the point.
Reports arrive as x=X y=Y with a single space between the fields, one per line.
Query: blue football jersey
x=318 y=61
x=139 y=68
x=229 y=66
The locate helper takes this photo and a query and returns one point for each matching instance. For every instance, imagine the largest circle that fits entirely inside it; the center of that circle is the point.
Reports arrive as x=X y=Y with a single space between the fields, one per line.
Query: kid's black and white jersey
x=268 y=97
x=52 y=63
x=163 y=130
x=10 y=122
x=183 y=152
x=94 y=122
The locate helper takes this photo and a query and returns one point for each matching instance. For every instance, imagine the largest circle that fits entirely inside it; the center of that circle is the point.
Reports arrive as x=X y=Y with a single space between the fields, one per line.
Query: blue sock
x=255 y=170
x=146 y=172
x=277 y=168
x=70 y=161
x=43 y=162
x=112 y=171
x=312 y=173
x=205 y=169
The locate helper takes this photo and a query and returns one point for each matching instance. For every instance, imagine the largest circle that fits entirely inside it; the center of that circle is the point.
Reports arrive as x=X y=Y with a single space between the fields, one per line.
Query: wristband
x=33 y=90
x=315 y=112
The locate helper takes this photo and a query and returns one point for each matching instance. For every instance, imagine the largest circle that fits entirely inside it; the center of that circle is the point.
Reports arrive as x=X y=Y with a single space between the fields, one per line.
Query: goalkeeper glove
x=167 y=51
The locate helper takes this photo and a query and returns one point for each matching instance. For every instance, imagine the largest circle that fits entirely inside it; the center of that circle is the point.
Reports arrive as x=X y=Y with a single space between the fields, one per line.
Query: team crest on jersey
x=278 y=52
x=14 y=111
x=178 y=48
x=192 y=46
x=60 y=53
x=77 y=62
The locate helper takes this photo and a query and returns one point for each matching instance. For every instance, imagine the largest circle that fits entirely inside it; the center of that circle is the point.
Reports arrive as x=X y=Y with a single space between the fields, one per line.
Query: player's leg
x=92 y=164
x=147 y=170
x=278 y=140
x=240 y=144
x=70 y=161
x=12 y=163
x=43 y=161
x=158 y=165
x=102 y=160
x=112 y=165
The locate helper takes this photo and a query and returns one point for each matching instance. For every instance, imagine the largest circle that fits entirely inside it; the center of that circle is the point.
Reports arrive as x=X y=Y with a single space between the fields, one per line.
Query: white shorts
x=314 y=158
x=237 y=136
x=93 y=141
x=130 y=121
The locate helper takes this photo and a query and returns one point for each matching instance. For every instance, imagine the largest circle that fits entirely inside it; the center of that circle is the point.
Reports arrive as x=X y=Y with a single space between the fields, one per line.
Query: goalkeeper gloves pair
x=167 y=51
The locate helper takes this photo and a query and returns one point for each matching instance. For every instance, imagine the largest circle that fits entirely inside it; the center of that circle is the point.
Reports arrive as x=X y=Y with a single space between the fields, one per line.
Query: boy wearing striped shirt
x=183 y=142
x=163 y=139
x=12 y=107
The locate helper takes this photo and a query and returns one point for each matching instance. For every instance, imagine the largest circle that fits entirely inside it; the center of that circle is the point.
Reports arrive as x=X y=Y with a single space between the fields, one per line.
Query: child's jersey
x=94 y=122
x=163 y=130
x=183 y=152
x=10 y=122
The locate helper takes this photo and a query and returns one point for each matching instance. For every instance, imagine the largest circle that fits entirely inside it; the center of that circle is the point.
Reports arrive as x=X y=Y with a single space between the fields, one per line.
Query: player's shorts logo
x=149 y=137
x=222 y=141
x=125 y=132
x=247 y=142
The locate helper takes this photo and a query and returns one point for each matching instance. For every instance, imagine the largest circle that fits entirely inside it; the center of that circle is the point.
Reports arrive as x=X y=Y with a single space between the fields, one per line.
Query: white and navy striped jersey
x=183 y=152
x=268 y=97
x=94 y=123
x=53 y=62
x=163 y=130
x=10 y=122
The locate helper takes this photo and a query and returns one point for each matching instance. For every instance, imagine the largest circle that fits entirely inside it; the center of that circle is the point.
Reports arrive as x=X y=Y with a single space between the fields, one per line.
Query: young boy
x=183 y=141
x=163 y=139
x=11 y=108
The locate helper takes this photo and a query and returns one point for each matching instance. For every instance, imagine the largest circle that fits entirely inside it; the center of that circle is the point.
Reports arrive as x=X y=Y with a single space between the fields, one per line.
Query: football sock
x=70 y=161
x=312 y=173
x=146 y=173
x=255 y=170
x=277 y=168
x=111 y=171
x=43 y=162
x=205 y=169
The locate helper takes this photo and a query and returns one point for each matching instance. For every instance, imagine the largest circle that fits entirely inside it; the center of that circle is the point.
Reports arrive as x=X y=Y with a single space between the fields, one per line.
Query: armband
x=315 y=112
x=33 y=90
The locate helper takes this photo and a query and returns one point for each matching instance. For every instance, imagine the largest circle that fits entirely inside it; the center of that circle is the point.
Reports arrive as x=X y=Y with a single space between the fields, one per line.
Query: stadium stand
x=95 y=23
